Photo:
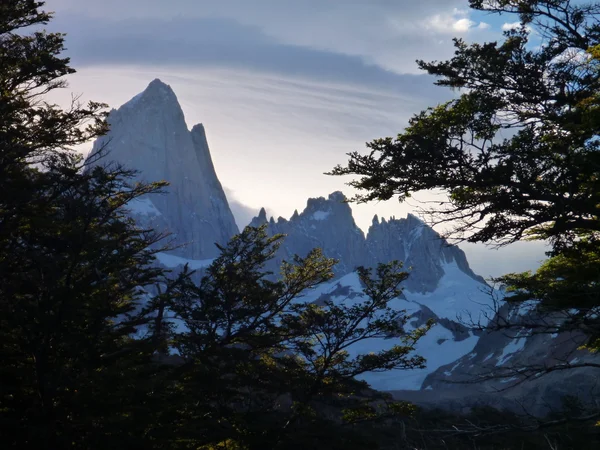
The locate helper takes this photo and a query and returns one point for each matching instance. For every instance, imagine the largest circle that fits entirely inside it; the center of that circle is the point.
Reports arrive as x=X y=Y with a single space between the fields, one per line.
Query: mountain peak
x=337 y=196
x=158 y=85
x=412 y=218
x=199 y=129
x=149 y=133
x=155 y=92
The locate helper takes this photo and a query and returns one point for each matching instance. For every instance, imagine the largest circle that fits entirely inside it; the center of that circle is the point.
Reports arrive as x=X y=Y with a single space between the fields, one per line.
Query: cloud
x=389 y=35
x=242 y=213
x=507 y=26
x=510 y=26
x=452 y=24
x=214 y=43
x=273 y=136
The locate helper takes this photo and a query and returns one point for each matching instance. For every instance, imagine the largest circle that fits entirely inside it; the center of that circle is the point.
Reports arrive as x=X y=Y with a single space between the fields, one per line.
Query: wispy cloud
x=389 y=35
x=284 y=88
x=273 y=136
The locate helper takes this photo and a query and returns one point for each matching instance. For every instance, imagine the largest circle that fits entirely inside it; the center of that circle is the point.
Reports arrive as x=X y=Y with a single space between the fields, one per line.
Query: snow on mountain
x=419 y=247
x=172 y=261
x=149 y=134
x=142 y=206
x=441 y=286
x=504 y=367
x=464 y=297
x=443 y=344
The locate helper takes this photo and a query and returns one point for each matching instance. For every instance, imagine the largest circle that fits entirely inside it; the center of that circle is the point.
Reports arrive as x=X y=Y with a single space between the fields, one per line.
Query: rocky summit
x=328 y=223
x=149 y=134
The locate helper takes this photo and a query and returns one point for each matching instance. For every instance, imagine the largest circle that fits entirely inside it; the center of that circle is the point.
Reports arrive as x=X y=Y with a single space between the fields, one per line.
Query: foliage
x=517 y=153
x=72 y=266
x=261 y=367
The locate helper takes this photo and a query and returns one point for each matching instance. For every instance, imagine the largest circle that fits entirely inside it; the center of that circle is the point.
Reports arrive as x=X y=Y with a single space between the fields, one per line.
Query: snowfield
x=457 y=295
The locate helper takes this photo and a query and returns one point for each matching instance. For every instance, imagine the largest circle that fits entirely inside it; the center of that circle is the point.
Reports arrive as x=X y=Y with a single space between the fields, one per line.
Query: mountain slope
x=441 y=285
x=446 y=342
x=328 y=223
x=149 y=134
x=324 y=223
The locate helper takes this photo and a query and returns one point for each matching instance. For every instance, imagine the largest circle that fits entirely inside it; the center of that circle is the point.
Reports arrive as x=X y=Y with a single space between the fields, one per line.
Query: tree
x=261 y=367
x=86 y=316
x=72 y=265
x=517 y=153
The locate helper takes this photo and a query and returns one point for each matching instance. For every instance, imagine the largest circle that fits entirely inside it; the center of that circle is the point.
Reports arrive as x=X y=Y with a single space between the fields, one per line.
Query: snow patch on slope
x=321 y=215
x=438 y=346
x=456 y=296
x=514 y=346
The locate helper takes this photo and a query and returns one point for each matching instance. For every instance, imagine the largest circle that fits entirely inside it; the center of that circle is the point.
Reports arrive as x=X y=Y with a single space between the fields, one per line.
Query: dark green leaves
x=263 y=362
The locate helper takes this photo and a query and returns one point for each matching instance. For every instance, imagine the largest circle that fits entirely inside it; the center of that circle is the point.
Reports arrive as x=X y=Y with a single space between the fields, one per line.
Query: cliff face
x=506 y=368
x=328 y=223
x=416 y=244
x=149 y=133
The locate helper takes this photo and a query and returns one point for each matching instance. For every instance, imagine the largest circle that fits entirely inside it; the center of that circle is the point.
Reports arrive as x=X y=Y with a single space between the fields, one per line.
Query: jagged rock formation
x=328 y=224
x=324 y=223
x=149 y=133
x=418 y=246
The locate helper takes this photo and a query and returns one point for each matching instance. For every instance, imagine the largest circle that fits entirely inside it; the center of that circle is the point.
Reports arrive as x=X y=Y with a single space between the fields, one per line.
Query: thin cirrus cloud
x=388 y=34
x=285 y=88
x=211 y=43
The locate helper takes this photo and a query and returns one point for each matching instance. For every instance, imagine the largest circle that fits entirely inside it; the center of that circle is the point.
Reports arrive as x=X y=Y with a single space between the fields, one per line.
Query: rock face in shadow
x=419 y=247
x=328 y=223
x=505 y=369
x=149 y=134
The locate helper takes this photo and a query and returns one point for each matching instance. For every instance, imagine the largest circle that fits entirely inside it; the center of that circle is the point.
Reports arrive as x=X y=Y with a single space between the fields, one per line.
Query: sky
x=285 y=88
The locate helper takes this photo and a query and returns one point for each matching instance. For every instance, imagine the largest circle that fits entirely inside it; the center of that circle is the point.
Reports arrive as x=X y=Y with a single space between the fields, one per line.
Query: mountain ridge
x=328 y=223
x=149 y=133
